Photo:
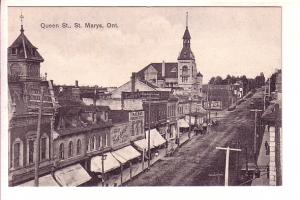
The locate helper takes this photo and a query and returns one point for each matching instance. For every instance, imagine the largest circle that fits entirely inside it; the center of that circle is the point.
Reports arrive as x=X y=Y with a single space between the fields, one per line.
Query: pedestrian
x=204 y=127
x=268 y=171
x=267 y=147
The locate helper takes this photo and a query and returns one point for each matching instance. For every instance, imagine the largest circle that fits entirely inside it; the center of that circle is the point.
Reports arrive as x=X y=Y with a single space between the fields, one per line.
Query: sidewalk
x=136 y=170
x=262 y=162
x=115 y=180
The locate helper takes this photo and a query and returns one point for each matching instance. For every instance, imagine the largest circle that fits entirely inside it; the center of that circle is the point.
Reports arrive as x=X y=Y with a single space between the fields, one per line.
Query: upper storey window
x=14 y=51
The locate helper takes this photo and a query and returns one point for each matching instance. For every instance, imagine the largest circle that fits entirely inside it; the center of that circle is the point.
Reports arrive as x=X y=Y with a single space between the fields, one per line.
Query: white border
x=290 y=188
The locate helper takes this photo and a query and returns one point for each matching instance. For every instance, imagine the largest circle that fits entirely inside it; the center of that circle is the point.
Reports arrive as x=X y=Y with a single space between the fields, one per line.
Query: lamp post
x=103 y=157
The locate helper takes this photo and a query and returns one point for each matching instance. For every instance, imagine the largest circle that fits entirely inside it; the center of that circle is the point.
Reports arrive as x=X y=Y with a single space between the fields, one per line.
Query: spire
x=21 y=18
x=187 y=19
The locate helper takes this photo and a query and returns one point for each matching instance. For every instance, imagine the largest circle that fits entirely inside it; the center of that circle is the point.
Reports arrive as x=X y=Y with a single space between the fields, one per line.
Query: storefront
x=183 y=125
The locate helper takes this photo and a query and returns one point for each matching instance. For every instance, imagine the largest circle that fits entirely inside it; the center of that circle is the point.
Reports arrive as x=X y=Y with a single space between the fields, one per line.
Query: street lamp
x=103 y=157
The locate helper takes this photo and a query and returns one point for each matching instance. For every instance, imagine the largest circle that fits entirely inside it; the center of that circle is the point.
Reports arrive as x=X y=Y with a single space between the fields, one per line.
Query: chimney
x=163 y=69
x=133 y=82
x=76 y=83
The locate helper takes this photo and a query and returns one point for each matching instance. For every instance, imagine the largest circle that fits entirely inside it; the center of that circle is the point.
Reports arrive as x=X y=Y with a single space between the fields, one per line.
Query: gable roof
x=169 y=72
x=25 y=49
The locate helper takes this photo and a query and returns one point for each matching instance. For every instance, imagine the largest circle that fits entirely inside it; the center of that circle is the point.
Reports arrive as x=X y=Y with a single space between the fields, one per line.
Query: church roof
x=25 y=49
x=170 y=70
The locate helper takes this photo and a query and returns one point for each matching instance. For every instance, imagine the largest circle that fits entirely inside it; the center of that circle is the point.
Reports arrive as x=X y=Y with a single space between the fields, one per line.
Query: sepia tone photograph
x=144 y=96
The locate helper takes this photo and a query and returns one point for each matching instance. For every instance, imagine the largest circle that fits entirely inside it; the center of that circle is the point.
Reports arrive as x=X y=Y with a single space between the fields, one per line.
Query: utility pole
x=209 y=103
x=38 y=135
x=227 y=161
x=149 y=151
x=255 y=134
x=190 y=112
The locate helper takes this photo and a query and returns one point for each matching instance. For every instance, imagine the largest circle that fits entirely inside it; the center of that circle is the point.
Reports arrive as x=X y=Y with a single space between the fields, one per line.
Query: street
x=197 y=162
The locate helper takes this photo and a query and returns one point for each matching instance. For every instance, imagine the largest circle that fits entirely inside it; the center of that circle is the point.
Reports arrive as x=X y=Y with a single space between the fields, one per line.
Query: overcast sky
x=225 y=40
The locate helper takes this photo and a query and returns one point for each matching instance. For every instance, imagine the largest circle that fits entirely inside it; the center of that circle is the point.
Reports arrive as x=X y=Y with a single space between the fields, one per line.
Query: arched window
x=94 y=142
x=70 y=149
x=99 y=142
x=61 y=151
x=78 y=150
x=185 y=74
x=17 y=155
x=44 y=147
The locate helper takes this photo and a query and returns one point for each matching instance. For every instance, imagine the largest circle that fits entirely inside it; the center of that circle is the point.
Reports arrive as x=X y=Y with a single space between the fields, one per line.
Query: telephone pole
x=38 y=135
x=227 y=162
x=149 y=151
x=255 y=134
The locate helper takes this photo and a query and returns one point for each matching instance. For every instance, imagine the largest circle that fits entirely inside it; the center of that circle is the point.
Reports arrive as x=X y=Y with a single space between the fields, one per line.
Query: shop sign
x=136 y=115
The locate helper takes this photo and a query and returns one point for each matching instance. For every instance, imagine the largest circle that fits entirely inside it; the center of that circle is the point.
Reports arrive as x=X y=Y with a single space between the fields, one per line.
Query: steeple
x=186 y=52
x=21 y=18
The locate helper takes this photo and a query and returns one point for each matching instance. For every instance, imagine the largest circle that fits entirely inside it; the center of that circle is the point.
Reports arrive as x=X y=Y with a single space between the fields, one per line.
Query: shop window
x=70 y=149
x=78 y=147
x=61 y=151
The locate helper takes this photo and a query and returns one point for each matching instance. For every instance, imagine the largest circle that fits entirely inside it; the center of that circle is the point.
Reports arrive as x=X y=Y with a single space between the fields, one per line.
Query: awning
x=110 y=163
x=46 y=180
x=155 y=138
x=125 y=154
x=182 y=123
x=73 y=175
x=143 y=144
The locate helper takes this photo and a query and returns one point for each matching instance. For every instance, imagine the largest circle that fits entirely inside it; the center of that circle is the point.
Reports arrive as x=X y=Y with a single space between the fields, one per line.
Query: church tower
x=24 y=78
x=23 y=58
x=187 y=70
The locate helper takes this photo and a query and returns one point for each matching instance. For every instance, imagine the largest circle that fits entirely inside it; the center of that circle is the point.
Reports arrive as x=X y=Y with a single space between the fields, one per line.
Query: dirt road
x=195 y=162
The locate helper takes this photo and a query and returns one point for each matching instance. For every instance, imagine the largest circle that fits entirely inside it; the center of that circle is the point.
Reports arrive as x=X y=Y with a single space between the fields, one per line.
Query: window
x=132 y=129
x=99 y=142
x=16 y=159
x=94 y=142
x=43 y=148
x=91 y=143
x=104 y=140
x=14 y=51
x=30 y=151
x=185 y=74
x=70 y=149
x=78 y=150
x=61 y=151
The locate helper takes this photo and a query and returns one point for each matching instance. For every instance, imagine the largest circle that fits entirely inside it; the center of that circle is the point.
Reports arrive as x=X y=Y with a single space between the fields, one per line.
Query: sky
x=225 y=40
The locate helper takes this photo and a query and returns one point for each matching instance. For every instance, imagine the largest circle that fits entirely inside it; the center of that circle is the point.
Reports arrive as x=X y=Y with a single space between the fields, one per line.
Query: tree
x=218 y=80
